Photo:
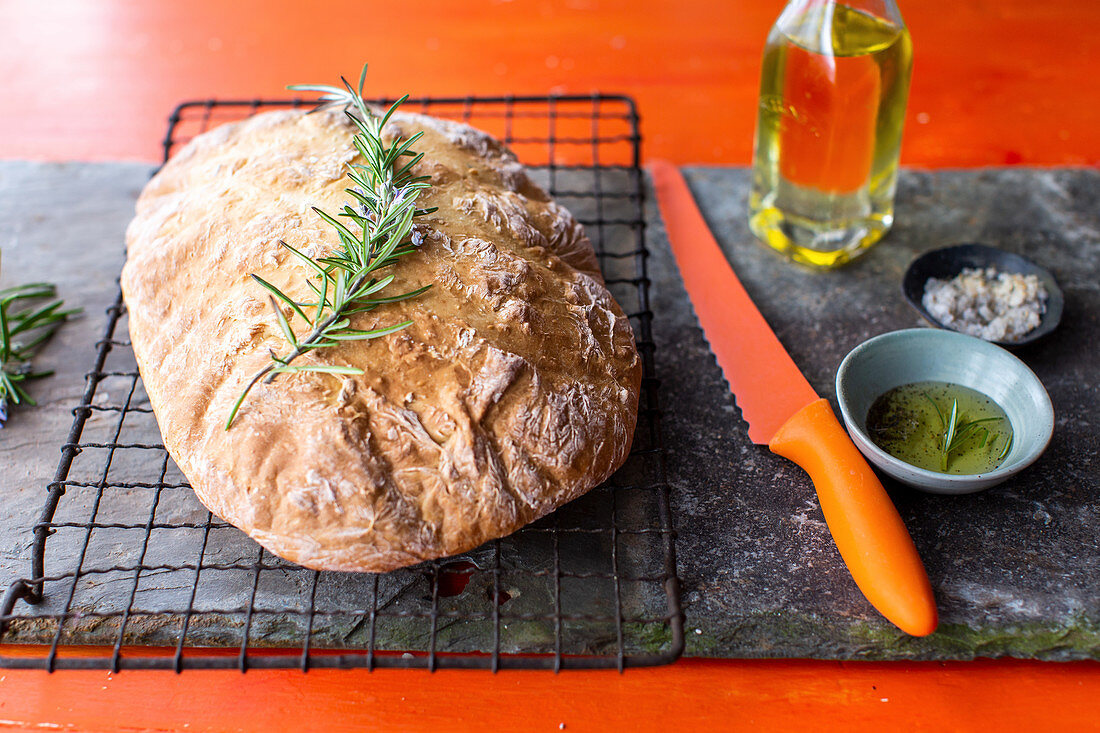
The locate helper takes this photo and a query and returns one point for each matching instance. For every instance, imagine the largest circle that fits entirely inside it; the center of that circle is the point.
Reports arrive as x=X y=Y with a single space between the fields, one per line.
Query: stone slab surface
x=153 y=563
x=61 y=223
x=1015 y=569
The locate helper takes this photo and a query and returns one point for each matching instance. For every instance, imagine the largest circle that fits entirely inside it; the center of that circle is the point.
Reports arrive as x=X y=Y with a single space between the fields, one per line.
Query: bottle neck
x=884 y=9
x=815 y=24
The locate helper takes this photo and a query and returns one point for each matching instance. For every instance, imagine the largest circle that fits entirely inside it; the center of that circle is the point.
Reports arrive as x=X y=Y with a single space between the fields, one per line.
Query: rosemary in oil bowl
x=941 y=427
x=378 y=232
x=29 y=316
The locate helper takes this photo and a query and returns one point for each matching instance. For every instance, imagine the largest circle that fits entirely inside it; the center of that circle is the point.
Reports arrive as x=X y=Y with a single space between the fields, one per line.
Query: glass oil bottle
x=833 y=90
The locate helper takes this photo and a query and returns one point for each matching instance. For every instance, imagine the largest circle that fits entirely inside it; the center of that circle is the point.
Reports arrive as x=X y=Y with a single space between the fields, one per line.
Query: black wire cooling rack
x=125 y=559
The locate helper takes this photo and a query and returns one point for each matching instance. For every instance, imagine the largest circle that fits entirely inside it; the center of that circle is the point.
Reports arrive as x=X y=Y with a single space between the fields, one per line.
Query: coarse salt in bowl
x=991 y=305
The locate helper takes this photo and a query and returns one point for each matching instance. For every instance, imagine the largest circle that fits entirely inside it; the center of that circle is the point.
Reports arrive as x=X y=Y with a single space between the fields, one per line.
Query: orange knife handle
x=865 y=525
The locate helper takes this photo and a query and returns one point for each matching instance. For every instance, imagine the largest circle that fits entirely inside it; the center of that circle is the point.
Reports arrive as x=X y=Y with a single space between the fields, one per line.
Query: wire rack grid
x=137 y=568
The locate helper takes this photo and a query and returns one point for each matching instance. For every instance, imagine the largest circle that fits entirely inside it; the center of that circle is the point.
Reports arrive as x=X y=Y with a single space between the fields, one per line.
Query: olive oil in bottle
x=833 y=91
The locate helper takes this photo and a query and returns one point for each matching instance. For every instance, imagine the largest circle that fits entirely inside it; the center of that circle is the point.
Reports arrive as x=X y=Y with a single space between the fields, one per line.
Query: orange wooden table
x=1006 y=82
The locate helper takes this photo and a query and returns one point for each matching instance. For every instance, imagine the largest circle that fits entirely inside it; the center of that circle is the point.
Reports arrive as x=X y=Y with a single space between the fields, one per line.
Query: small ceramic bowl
x=925 y=354
x=948 y=262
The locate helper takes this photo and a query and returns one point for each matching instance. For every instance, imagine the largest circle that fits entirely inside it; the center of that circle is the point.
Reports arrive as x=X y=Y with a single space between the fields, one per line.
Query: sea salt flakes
x=995 y=306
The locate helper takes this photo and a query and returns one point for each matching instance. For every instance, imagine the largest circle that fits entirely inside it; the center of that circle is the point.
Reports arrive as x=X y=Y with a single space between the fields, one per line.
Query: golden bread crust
x=514 y=390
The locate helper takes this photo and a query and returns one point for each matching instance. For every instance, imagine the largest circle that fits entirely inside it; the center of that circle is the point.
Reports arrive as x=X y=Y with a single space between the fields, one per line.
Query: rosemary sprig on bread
x=29 y=315
x=373 y=236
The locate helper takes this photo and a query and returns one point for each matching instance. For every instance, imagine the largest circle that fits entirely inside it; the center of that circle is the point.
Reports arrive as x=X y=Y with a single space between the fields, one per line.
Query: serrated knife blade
x=785 y=413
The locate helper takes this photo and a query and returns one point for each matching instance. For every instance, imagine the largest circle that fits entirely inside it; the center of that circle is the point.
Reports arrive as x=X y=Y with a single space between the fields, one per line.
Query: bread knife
x=785 y=413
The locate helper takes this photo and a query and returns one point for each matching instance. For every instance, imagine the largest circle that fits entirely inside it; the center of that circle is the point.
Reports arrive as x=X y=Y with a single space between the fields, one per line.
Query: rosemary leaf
x=281 y=296
x=352 y=335
x=322 y=368
x=283 y=323
x=5 y=334
x=952 y=425
x=956 y=431
x=25 y=325
x=398 y=298
x=337 y=224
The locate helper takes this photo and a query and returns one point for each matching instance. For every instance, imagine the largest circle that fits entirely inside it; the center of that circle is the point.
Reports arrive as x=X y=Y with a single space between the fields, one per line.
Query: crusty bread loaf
x=514 y=390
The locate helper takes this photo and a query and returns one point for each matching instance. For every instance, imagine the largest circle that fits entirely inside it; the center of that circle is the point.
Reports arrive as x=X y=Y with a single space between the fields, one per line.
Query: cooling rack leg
x=18 y=589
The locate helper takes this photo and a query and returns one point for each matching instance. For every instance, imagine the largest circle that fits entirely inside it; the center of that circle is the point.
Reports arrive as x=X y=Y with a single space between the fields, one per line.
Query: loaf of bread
x=514 y=390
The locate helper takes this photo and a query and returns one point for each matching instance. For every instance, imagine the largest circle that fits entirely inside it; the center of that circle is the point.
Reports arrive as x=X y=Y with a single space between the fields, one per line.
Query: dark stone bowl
x=948 y=262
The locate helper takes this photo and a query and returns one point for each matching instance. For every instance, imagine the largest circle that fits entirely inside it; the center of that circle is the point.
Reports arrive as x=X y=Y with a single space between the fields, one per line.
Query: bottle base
x=813 y=243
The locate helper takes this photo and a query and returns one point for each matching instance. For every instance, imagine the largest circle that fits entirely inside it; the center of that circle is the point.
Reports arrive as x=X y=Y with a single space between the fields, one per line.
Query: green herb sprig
x=376 y=234
x=955 y=431
x=26 y=323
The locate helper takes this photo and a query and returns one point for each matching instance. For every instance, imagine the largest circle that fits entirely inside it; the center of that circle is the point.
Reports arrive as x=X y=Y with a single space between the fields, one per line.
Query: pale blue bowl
x=924 y=354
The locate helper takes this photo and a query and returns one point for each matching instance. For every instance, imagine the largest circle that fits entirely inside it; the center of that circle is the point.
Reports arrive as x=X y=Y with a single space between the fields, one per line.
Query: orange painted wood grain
x=694 y=694
x=994 y=82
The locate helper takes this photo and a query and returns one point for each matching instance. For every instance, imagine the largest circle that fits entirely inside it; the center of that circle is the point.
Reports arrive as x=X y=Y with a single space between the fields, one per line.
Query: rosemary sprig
x=377 y=234
x=955 y=431
x=26 y=323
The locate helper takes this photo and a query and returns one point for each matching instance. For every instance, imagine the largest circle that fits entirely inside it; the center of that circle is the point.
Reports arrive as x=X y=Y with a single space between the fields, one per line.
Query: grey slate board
x=1015 y=569
x=63 y=223
x=133 y=557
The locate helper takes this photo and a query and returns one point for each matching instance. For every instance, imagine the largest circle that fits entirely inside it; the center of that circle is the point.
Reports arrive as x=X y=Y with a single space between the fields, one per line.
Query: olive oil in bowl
x=920 y=355
x=941 y=427
x=833 y=91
